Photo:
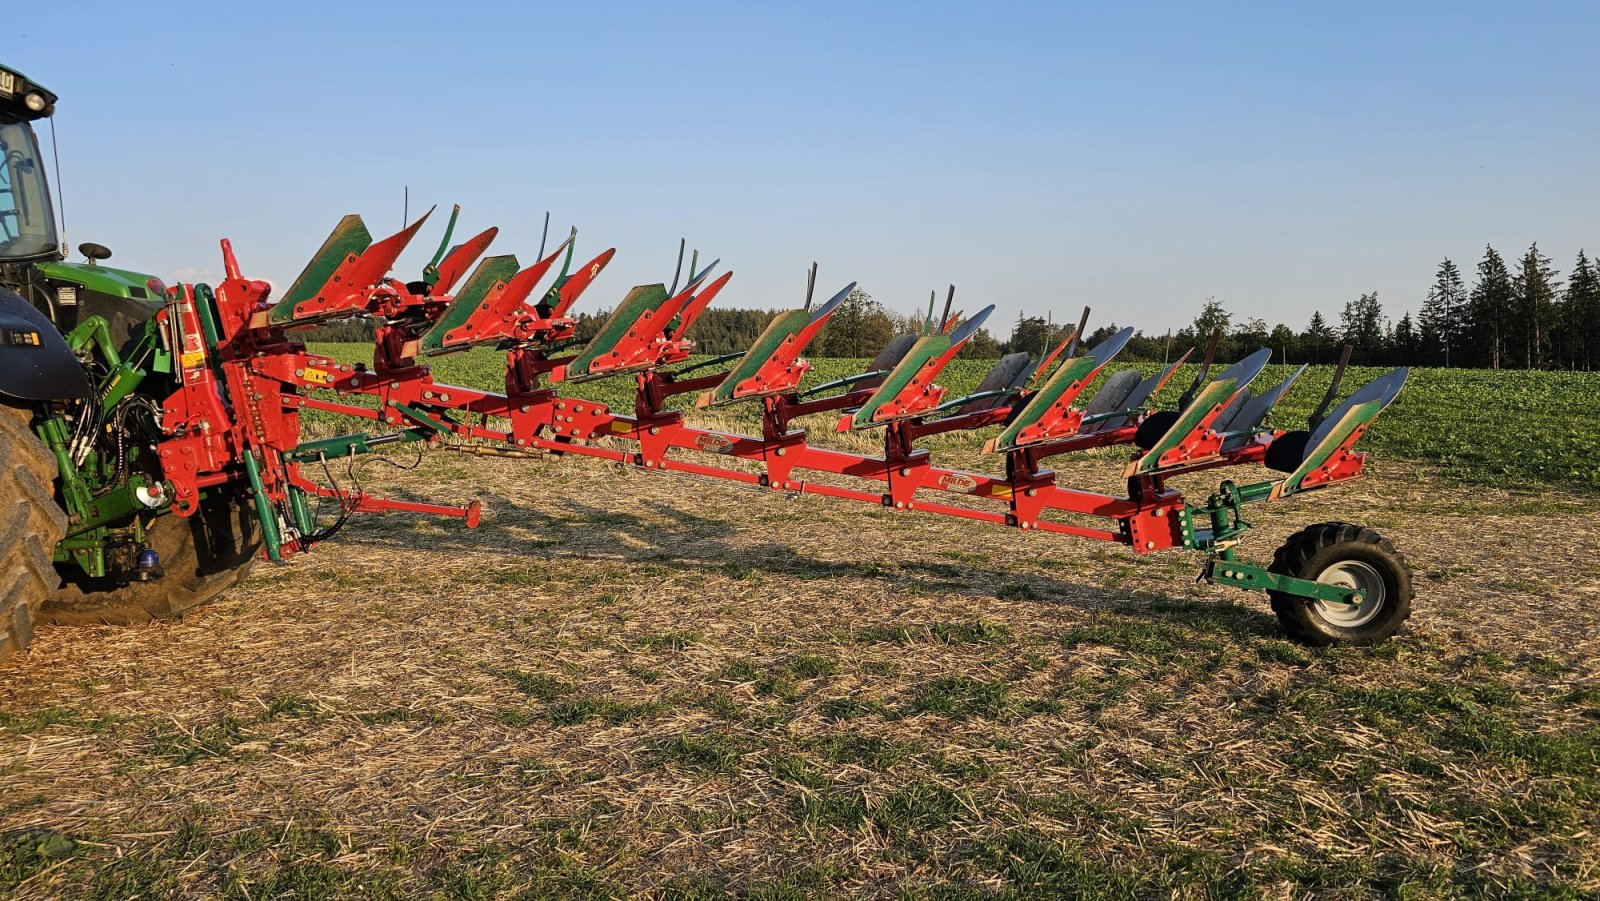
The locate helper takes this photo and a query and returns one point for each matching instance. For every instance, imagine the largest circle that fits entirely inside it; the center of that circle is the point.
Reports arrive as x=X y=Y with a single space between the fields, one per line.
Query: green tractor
x=85 y=533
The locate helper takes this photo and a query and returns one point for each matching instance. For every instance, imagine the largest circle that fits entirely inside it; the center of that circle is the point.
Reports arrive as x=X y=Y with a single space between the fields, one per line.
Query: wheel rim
x=1359 y=576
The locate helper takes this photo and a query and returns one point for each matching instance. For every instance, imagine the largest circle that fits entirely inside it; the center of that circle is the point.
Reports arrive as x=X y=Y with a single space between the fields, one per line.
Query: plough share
x=245 y=381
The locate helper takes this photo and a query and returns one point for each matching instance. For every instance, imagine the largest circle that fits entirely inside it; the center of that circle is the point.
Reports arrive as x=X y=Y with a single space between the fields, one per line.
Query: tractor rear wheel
x=30 y=525
x=1338 y=553
x=201 y=557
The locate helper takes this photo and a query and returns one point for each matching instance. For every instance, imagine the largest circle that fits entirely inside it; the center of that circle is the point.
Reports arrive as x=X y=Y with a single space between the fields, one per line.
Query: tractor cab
x=32 y=257
x=27 y=220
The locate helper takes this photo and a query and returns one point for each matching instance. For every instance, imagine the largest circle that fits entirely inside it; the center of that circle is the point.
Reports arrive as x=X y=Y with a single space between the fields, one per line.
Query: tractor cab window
x=27 y=224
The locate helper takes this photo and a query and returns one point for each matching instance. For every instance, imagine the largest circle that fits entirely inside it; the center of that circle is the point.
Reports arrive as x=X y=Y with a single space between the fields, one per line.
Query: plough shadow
x=693 y=541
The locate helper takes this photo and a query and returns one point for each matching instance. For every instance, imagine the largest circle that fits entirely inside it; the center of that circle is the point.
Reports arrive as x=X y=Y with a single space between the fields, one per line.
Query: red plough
x=246 y=380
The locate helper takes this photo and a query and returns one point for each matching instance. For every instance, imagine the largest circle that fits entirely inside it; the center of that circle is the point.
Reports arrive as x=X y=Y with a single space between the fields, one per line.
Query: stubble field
x=629 y=683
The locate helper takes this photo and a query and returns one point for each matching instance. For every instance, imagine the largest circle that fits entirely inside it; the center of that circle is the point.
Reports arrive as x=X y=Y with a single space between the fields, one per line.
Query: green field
x=1517 y=429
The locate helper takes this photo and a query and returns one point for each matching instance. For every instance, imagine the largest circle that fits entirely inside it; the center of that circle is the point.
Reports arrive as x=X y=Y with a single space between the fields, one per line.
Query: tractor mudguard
x=35 y=362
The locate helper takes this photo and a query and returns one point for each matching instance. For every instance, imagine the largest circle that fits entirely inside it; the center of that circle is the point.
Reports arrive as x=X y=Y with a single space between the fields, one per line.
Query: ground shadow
x=690 y=540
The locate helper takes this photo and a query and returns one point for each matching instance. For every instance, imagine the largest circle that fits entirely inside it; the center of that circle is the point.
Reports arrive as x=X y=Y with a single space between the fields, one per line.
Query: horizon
x=1135 y=161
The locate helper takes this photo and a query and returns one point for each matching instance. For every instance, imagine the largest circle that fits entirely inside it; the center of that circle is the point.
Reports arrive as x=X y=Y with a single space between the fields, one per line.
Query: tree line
x=1518 y=316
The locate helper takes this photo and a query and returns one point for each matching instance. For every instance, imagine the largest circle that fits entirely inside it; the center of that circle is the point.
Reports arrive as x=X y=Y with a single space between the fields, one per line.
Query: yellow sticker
x=318 y=376
x=192 y=359
x=621 y=427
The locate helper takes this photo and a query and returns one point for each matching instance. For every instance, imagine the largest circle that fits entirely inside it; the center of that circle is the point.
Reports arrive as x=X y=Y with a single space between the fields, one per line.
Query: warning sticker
x=191 y=359
x=318 y=376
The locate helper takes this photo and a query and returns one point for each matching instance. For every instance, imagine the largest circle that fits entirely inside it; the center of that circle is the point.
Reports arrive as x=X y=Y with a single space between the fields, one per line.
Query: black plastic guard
x=35 y=362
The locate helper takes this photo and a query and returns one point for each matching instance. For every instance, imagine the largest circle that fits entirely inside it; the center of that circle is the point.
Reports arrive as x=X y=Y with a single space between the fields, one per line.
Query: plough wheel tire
x=201 y=557
x=30 y=526
x=1343 y=554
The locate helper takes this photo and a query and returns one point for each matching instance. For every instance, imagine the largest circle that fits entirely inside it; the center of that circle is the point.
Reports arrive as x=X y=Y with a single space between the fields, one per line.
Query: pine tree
x=1490 y=310
x=1440 y=325
x=1363 y=328
x=1318 y=340
x=1582 y=314
x=1534 y=292
x=1405 y=343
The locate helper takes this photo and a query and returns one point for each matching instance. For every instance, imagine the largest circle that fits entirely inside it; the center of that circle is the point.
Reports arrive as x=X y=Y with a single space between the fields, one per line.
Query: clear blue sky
x=1138 y=158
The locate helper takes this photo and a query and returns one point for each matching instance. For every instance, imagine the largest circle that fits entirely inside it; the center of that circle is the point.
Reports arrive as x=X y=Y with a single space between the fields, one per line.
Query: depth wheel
x=31 y=523
x=1338 y=553
x=201 y=556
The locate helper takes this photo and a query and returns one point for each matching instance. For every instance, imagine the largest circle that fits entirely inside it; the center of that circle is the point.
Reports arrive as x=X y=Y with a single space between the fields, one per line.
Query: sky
x=1135 y=158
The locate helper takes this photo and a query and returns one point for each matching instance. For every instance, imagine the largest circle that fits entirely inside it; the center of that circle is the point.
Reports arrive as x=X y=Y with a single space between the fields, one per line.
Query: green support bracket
x=1247 y=575
x=122 y=379
x=269 y=520
x=1224 y=510
x=420 y=418
x=116 y=504
x=344 y=445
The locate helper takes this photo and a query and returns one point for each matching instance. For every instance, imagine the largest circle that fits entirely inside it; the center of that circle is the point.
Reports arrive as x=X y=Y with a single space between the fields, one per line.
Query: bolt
x=394 y=385
x=899 y=506
x=525 y=408
x=427 y=395
x=561 y=406
x=1149 y=545
x=299 y=373
x=577 y=408
x=782 y=451
x=444 y=397
x=1031 y=492
x=655 y=430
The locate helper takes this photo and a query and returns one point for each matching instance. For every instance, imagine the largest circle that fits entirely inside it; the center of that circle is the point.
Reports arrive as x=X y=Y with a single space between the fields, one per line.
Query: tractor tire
x=30 y=526
x=1343 y=554
x=201 y=557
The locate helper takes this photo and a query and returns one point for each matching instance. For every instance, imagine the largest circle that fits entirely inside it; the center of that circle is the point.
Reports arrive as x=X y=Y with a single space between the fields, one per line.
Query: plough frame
x=240 y=366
